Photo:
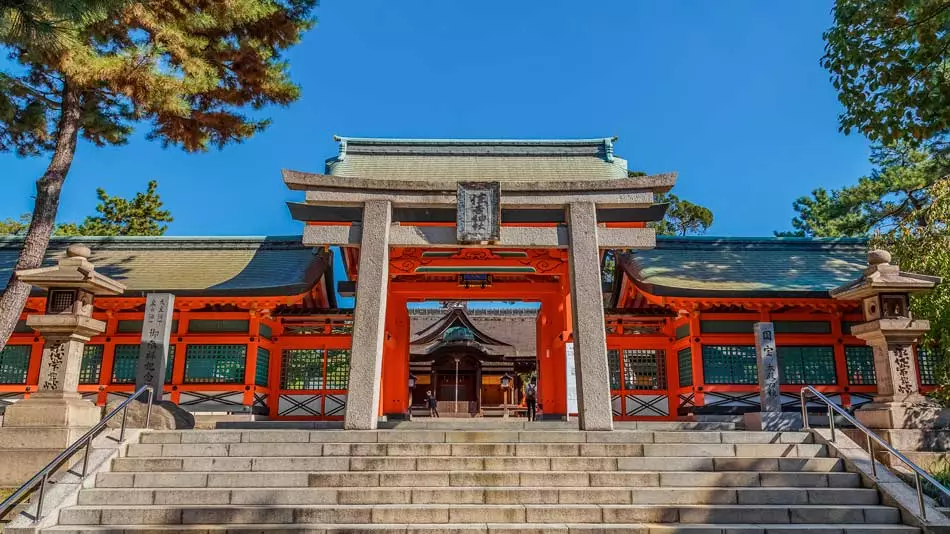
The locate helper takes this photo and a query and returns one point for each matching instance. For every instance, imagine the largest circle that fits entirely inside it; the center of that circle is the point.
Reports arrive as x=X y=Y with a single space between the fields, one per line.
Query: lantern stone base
x=36 y=429
x=923 y=414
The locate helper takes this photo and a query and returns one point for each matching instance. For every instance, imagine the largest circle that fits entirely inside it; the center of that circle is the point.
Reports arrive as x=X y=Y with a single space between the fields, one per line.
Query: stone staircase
x=662 y=480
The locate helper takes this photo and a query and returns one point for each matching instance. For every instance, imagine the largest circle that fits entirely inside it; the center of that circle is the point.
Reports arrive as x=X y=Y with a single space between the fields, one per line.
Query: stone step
x=499 y=494
x=501 y=528
x=487 y=436
x=410 y=479
x=476 y=424
x=476 y=513
x=769 y=450
x=343 y=463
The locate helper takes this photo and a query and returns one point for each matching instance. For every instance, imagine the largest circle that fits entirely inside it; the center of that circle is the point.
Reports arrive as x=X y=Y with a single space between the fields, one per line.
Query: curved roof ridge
x=464 y=141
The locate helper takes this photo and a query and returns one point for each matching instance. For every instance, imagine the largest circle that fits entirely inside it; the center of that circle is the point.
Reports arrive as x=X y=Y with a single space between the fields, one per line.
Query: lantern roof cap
x=73 y=271
x=881 y=276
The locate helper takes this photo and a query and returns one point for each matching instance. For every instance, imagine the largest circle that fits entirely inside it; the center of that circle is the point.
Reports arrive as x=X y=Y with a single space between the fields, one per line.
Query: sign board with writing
x=479 y=212
x=767 y=357
x=153 y=352
x=571 y=379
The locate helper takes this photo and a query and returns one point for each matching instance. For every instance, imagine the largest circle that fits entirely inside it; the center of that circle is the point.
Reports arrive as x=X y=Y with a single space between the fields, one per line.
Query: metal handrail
x=871 y=437
x=42 y=477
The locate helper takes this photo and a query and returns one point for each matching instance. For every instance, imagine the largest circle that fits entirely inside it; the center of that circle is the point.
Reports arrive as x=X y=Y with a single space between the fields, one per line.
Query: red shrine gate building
x=659 y=327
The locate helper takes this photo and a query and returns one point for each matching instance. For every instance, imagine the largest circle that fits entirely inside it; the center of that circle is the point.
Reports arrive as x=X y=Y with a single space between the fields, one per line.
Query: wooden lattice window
x=684 y=360
x=927 y=365
x=261 y=367
x=126 y=361
x=860 y=361
x=91 y=364
x=807 y=365
x=14 y=363
x=613 y=368
x=729 y=364
x=642 y=369
x=338 y=368
x=215 y=364
x=302 y=369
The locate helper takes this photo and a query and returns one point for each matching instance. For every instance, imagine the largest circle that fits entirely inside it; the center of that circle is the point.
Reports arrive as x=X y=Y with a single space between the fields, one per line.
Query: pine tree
x=93 y=69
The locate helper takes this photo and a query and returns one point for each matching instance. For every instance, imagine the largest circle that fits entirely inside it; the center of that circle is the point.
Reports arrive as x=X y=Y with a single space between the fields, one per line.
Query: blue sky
x=729 y=93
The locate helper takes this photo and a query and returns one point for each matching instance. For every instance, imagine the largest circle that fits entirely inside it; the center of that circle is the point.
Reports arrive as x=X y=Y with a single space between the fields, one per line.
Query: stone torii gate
x=581 y=216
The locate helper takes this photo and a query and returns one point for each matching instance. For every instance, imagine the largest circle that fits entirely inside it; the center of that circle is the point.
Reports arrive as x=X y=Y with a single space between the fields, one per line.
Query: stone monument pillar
x=36 y=429
x=770 y=416
x=892 y=332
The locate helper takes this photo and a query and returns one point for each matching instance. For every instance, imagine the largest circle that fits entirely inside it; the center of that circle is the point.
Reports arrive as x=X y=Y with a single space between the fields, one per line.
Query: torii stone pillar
x=892 y=332
x=36 y=429
x=590 y=338
x=369 y=317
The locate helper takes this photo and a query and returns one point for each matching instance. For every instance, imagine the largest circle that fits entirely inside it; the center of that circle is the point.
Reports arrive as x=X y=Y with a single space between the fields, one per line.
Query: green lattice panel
x=302 y=369
x=729 y=364
x=644 y=369
x=206 y=364
x=91 y=364
x=613 y=368
x=927 y=366
x=860 y=360
x=684 y=360
x=125 y=364
x=338 y=368
x=14 y=363
x=682 y=331
x=260 y=368
x=807 y=365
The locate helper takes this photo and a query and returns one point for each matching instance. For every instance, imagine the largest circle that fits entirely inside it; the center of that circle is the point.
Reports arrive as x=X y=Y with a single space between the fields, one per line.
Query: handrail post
x=831 y=422
x=871 y=453
x=125 y=412
x=804 y=410
x=39 y=500
x=148 y=409
x=85 y=456
x=920 y=497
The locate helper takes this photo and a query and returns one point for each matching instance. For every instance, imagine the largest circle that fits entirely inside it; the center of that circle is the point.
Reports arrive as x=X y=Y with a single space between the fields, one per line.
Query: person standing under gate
x=531 y=399
x=432 y=404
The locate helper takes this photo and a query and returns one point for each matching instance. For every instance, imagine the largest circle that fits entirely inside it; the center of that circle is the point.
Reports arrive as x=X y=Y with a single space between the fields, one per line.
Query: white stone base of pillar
x=924 y=414
x=773 y=421
x=35 y=430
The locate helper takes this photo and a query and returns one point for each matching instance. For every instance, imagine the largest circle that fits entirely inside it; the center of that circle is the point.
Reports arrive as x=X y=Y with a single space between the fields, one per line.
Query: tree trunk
x=44 y=212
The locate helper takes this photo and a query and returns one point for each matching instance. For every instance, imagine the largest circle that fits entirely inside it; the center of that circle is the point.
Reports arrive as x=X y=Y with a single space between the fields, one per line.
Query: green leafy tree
x=682 y=217
x=141 y=216
x=11 y=226
x=893 y=198
x=192 y=69
x=890 y=62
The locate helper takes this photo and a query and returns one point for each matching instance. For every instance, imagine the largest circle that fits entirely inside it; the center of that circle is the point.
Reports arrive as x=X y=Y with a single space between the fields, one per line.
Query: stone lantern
x=36 y=429
x=892 y=332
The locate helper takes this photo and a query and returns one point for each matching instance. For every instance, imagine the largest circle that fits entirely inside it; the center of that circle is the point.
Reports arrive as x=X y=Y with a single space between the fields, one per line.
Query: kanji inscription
x=153 y=352
x=54 y=367
x=769 y=394
x=479 y=212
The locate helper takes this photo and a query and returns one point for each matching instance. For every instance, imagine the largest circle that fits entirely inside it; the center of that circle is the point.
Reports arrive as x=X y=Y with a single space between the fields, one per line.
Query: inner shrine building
x=612 y=321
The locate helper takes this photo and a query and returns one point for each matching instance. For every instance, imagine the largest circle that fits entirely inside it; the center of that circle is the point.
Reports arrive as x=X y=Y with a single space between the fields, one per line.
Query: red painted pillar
x=394 y=394
x=552 y=366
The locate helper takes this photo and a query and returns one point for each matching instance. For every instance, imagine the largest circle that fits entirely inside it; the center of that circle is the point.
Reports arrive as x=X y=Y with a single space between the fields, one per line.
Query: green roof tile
x=721 y=266
x=193 y=265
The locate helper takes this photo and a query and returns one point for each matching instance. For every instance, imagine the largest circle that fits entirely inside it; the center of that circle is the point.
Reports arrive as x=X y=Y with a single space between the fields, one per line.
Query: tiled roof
x=721 y=266
x=464 y=160
x=193 y=265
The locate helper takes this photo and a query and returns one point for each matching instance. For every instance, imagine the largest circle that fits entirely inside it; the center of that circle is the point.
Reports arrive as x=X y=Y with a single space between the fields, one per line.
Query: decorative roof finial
x=879 y=257
x=78 y=251
x=609 y=149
